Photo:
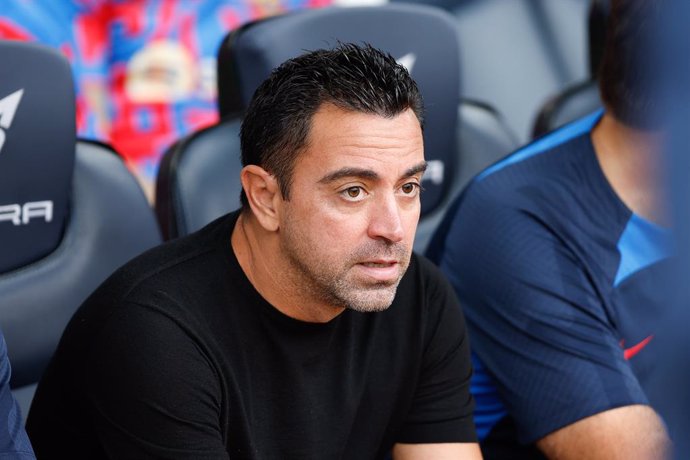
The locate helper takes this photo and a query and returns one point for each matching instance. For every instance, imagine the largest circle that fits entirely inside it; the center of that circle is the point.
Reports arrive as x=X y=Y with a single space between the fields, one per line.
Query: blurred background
x=146 y=74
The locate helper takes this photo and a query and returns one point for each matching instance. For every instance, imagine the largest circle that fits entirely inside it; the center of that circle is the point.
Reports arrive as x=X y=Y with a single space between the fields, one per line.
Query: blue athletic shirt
x=559 y=282
x=14 y=444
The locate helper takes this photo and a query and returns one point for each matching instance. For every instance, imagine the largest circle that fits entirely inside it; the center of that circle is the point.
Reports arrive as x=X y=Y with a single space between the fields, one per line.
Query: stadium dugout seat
x=187 y=182
x=582 y=98
x=572 y=103
x=516 y=53
x=70 y=211
x=199 y=179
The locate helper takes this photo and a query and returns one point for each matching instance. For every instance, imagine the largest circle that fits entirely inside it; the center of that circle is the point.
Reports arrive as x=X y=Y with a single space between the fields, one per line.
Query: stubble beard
x=331 y=281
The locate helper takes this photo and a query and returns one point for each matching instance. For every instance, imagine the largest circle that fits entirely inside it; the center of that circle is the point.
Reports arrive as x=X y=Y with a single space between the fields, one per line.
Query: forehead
x=342 y=138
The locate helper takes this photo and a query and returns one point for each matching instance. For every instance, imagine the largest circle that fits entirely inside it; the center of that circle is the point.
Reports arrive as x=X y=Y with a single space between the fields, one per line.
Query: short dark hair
x=627 y=77
x=357 y=78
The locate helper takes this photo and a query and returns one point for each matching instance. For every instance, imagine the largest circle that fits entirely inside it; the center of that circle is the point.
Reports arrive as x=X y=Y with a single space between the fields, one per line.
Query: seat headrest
x=37 y=149
x=422 y=38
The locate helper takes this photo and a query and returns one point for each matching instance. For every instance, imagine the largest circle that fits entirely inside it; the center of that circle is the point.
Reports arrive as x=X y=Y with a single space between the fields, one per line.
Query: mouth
x=378 y=264
x=382 y=271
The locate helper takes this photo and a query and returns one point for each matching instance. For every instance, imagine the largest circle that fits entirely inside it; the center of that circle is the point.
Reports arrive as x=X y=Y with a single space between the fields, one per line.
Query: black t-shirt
x=178 y=356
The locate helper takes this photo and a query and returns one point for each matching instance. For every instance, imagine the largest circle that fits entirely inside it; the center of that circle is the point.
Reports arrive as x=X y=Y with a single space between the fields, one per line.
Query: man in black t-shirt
x=301 y=326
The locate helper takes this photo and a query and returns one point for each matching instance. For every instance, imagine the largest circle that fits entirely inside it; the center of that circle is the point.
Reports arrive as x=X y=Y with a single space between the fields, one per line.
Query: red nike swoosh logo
x=628 y=353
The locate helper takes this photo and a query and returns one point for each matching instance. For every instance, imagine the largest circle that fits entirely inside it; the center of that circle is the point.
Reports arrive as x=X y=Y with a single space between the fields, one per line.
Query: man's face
x=348 y=228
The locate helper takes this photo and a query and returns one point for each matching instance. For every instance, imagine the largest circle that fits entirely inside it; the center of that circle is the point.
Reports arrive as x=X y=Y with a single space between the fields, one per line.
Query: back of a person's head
x=352 y=77
x=627 y=74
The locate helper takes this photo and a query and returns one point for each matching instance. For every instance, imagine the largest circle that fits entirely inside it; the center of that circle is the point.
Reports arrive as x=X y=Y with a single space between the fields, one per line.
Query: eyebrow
x=368 y=173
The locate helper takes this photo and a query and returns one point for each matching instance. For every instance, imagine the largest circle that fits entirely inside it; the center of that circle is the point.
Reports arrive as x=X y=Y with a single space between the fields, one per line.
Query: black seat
x=572 y=103
x=516 y=53
x=582 y=98
x=70 y=211
x=199 y=179
x=247 y=56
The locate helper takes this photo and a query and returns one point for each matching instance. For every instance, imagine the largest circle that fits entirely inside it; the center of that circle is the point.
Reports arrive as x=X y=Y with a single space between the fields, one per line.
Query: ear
x=263 y=195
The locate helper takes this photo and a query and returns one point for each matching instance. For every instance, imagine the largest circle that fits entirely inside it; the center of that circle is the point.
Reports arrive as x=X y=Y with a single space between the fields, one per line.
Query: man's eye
x=410 y=188
x=353 y=193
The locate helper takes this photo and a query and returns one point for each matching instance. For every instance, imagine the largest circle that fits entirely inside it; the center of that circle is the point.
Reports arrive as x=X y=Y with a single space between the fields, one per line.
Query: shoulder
x=165 y=284
x=550 y=163
x=13 y=440
x=551 y=185
x=169 y=266
x=544 y=152
x=546 y=169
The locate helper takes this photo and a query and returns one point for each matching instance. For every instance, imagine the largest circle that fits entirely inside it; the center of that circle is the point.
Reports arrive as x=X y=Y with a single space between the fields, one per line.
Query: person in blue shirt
x=557 y=253
x=14 y=444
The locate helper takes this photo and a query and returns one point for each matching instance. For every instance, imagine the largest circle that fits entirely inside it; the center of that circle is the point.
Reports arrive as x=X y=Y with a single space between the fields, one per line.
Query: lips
x=378 y=264
x=380 y=270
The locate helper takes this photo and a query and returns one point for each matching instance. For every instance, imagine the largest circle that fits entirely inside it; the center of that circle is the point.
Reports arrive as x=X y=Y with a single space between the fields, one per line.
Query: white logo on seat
x=8 y=107
x=407 y=61
x=20 y=214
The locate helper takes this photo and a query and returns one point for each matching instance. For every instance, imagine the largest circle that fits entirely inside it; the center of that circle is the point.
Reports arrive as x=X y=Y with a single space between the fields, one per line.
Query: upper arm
x=442 y=451
x=630 y=432
x=537 y=320
x=152 y=390
x=13 y=439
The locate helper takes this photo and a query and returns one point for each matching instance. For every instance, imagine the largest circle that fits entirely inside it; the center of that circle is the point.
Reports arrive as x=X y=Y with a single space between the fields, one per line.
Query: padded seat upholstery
x=570 y=104
x=199 y=179
x=88 y=216
x=581 y=98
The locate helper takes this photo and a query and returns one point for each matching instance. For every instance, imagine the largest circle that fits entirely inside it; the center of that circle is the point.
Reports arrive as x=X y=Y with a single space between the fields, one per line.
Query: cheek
x=339 y=233
x=338 y=226
x=410 y=222
x=321 y=231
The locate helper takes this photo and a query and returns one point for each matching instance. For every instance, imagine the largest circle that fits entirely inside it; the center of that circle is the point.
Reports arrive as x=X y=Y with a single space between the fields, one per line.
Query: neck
x=632 y=161
x=259 y=255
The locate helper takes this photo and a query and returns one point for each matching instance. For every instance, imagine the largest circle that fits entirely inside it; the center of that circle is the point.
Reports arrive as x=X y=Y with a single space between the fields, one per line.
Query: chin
x=377 y=308
x=372 y=302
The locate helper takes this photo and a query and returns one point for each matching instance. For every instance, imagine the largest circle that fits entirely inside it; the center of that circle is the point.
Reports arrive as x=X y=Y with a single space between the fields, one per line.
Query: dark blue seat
x=199 y=179
x=516 y=53
x=248 y=54
x=568 y=105
x=70 y=211
x=581 y=98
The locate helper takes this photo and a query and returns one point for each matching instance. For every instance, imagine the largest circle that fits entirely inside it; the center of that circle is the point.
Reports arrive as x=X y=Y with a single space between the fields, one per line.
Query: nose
x=386 y=220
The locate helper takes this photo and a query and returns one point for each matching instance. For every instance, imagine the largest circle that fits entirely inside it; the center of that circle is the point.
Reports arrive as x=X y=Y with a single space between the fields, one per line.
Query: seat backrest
x=568 y=105
x=70 y=211
x=516 y=53
x=36 y=152
x=422 y=38
x=581 y=98
x=199 y=179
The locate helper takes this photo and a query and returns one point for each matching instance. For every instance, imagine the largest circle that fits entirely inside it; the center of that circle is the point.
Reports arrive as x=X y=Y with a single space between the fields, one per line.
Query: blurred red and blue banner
x=145 y=70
